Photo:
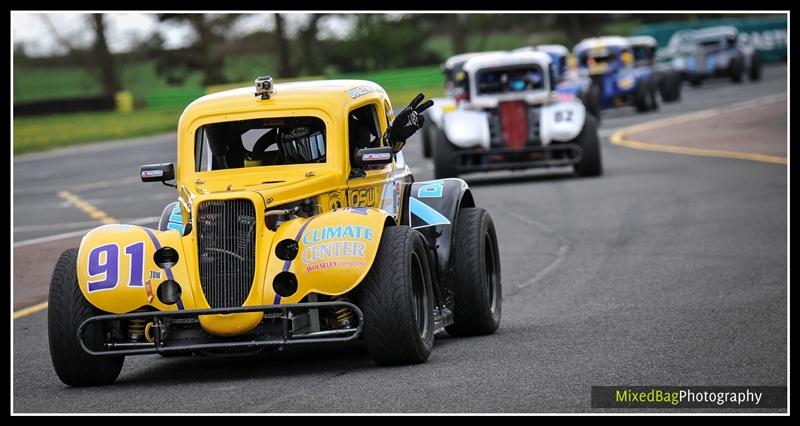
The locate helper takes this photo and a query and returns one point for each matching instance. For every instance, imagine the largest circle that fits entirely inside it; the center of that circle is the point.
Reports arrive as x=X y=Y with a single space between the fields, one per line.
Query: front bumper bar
x=284 y=313
x=574 y=156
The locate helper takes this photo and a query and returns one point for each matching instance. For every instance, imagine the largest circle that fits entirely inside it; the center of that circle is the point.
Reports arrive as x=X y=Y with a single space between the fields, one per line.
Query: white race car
x=506 y=115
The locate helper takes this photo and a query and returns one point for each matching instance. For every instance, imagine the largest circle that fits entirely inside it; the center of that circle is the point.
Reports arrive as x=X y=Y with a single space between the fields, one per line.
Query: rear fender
x=117 y=273
x=433 y=210
x=335 y=251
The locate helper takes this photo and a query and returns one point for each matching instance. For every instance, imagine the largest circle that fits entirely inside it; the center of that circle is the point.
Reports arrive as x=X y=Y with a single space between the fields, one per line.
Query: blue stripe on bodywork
x=427 y=213
x=167 y=270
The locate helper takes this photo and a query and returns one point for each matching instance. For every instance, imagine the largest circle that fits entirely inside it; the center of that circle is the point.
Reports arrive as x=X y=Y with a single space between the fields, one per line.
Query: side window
x=363 y=128
x=387 y=108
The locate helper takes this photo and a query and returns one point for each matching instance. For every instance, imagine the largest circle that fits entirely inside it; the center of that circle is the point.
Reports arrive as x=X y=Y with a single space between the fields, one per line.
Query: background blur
x=91 y=77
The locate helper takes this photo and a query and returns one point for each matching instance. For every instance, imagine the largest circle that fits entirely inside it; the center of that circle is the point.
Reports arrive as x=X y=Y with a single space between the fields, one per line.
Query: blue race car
x=608 y=63
x=569 y=81
x=667 y=78
x=714 y=52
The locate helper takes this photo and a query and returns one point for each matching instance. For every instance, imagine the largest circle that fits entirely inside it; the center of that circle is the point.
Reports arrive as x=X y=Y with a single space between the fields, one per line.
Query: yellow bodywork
x=336 y=246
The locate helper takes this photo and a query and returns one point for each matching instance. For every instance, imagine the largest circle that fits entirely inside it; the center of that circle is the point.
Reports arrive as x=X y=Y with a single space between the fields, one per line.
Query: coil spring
x=344 y=316
x=136 y=329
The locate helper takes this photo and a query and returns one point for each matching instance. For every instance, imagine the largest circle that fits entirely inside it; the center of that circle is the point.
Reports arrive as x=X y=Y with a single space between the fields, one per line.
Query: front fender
x=467 y=128
x=336 y=250
x=561 y=121
x=437 y=111
x=117 y=273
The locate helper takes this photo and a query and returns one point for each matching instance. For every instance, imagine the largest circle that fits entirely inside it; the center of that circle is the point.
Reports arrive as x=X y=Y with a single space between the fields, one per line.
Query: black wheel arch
x=455 y=195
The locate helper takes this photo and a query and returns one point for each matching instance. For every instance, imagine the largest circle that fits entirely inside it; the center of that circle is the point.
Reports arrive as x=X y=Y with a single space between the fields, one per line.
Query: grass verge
x=46 y=132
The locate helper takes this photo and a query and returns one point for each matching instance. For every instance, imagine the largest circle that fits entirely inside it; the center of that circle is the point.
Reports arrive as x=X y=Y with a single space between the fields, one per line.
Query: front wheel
x=476 y=275
x=591 y=162
x=397 y=300
x=591 y=100
x=755 y=68
x=736 y=69
x=66 y=310
x=444 y=158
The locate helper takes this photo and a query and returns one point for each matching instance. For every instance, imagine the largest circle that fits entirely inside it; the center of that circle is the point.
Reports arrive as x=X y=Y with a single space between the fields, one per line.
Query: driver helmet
x=302 y=144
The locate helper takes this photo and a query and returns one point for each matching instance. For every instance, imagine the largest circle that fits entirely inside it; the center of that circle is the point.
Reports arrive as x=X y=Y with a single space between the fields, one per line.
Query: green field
x=47 y=132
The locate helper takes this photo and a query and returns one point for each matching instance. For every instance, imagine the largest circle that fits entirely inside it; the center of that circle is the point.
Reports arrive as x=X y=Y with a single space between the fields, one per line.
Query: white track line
x=50 y=238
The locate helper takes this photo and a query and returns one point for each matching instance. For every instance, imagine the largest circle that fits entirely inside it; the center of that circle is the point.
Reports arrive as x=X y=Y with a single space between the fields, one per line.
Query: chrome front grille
x=226 y=249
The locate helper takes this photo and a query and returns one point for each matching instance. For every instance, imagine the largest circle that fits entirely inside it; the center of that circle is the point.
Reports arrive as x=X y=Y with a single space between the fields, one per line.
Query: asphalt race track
x=669 y=269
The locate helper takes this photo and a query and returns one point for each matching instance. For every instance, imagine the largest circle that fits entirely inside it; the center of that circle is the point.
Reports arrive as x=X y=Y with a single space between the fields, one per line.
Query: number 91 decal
x=104 y=266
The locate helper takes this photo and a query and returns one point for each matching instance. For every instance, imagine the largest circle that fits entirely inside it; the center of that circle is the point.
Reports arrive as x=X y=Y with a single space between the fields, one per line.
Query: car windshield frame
x=200 y=160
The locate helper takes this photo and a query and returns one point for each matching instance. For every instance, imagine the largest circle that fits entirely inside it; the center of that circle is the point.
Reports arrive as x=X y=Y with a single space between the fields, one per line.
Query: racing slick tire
x=591 y=163
x=591 y=100
x=653 y=94
x=736 y=70
x=67 y=308
x=444 y=160
x=396 y=297
x=670 y=87
x=476 y=275
x=755 y=68
x=427 y=137
x=643 y=97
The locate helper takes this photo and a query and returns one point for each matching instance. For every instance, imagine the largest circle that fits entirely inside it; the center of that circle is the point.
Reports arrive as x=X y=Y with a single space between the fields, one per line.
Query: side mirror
x=157 y=172
x=374 y=156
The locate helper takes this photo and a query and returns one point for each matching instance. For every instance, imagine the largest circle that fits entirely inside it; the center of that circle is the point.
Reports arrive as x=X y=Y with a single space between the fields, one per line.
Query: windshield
x=260 y=142
x=518 y=79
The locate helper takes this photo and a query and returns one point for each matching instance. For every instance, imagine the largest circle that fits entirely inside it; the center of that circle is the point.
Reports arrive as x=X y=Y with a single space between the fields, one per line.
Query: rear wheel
x=642 y=98
x=397 y=300
x=653 y=94
x=676 y=82
x=444 y=159
x=476 y=275
x=591 y=100
x=66 y=310
x=736 y=69
x=755 y=68
x=591 y=163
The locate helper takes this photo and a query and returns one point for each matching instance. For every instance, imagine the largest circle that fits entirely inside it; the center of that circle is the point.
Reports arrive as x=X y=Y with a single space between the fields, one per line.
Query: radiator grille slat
x=226 y=250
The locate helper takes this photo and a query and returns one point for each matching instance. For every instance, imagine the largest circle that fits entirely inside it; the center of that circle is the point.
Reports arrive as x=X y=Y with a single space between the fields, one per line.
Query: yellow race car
x=297 y=222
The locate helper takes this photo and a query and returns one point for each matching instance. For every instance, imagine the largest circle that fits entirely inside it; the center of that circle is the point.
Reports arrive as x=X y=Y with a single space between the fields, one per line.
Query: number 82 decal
x=104 y=264
x=565 y=115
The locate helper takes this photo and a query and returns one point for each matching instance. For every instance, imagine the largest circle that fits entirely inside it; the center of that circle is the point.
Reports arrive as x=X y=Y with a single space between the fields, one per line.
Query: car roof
x=606 y=41
x=644 y=40
x=338 y=91
x=713 y=32
x=553 y=48
x=463 y=57
x=506 y=59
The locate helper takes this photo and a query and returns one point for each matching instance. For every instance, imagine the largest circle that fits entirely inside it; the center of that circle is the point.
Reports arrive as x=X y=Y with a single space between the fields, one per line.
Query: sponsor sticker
x=149 y=288
x=364 y=197
x=335 y=200
x=379 y=156
x=360 y=91
x=335 y=249
x=358 y=210
x=152 y=173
